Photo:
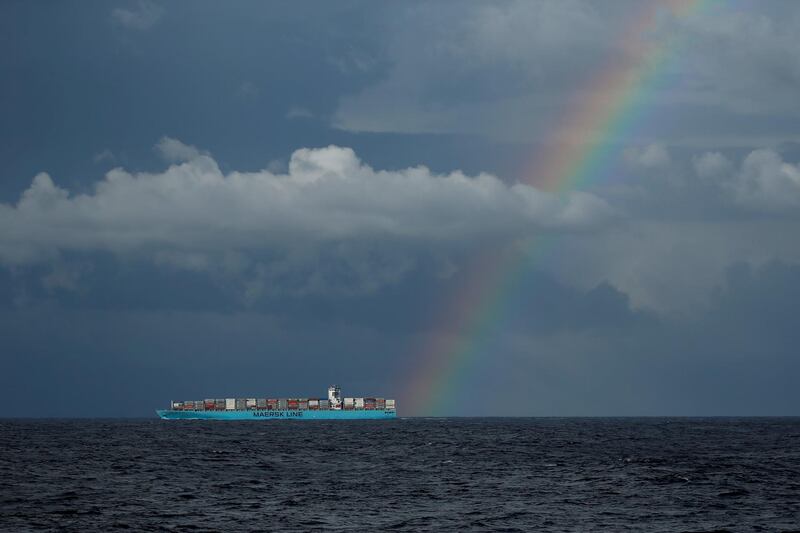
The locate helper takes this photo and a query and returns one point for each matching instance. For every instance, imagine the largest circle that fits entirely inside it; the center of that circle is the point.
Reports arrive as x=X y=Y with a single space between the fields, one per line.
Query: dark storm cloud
x=739 y=356
x=565 y=351
x=168 y=330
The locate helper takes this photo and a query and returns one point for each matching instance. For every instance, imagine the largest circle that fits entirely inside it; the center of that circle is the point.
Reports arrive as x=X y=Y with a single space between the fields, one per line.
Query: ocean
x=451 y=474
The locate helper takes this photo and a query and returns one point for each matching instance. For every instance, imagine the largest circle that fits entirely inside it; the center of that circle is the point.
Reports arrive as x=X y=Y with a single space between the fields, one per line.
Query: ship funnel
x=335 y=397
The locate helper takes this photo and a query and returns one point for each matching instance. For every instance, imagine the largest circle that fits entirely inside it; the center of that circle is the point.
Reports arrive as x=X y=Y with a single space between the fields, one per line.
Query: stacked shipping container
x=275 y=404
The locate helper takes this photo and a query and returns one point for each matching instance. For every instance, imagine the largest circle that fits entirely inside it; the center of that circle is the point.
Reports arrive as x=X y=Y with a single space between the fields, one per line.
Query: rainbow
x=580 y=150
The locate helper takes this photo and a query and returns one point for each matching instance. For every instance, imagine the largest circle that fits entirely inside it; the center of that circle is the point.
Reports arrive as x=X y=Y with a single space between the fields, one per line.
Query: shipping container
x=240 y=408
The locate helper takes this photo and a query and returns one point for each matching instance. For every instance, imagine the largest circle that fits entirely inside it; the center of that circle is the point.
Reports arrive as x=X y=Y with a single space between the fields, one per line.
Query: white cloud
x=174 y=151
x=192 y=211
x=764 y=182
x=711 y=165
x=142 y=17
x=299 y=112
x=104 y=156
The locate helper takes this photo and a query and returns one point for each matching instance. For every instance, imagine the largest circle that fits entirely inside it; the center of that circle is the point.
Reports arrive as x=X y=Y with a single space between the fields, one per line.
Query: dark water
x=403 y=475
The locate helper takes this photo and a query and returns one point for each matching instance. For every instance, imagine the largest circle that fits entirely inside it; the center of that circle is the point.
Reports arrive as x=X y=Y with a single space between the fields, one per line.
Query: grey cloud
x=298 y=112
x=711 y=165
x=495 y=69
x=767 y=182
x=746 y=60
x=594 y=356
x=735 y=357
x=65 y=276
x=510 y=71
x=104 y=156
x=142 y=17
x=764 y=182
x=652 y=156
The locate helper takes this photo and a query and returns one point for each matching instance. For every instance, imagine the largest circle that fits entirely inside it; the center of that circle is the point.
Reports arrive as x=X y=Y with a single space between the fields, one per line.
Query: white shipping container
x=251 y=402
x=230 y=404
x=359 y=403
x=313 y=403
x=349 y=401
x=390 y=404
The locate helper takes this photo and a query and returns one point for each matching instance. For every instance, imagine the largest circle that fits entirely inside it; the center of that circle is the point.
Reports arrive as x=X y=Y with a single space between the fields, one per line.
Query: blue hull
x=277 y=415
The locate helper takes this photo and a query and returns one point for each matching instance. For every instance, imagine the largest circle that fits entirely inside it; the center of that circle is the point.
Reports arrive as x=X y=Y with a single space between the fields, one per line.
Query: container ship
x=334 y=407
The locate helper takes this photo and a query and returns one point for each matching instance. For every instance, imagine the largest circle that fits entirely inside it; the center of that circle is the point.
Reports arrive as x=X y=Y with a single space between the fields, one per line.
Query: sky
x=259 y=199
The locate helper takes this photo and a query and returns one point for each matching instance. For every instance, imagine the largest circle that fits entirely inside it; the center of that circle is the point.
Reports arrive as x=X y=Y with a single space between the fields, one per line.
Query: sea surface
x=459 y=474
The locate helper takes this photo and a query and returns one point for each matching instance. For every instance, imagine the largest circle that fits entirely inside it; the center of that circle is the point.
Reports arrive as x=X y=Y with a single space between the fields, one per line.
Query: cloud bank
x=327 y=195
